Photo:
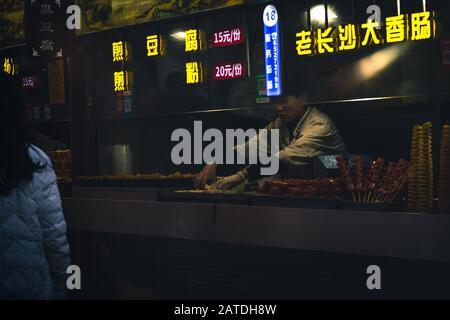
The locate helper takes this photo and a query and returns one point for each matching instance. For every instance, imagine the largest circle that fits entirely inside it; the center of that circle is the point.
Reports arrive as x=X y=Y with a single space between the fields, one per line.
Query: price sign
x=228 y=37
x=30 y=82
x=227 y=71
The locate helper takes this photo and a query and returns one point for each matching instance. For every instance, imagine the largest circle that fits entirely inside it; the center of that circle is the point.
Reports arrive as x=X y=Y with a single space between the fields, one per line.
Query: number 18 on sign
x=272 y=51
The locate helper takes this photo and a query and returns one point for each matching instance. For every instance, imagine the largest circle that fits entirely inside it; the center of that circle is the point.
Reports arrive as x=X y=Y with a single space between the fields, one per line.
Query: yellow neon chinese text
x=417 y=26
x=396 y=29
x=120 y=81
x=347 y=37
x=422 y=27
x=192 y=40
x=371 y=35
x=193 y=73
x=8 y=66
x=304 y=43
x=155 y=46
x=325 y=40
x=119 y=51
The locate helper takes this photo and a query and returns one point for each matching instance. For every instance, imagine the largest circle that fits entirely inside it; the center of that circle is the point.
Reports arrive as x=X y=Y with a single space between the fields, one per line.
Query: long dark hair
x=15 y=163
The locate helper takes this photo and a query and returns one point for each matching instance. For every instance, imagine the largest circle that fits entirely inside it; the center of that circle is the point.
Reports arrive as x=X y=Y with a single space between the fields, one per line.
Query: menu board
x=45 y=27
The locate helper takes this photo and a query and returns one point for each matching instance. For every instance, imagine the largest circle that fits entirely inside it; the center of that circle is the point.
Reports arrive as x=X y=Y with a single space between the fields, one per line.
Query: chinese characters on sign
x=29 y=82
x=121 y=81
x=193 y=40
x=347 y=38
x=230 y=71
x=46 y=27
x=414 y=27
x=155 y=46
x=119 y=51
x=272 y=51
x=194 y=43
x=9 y=67
x=122 y=77
x=228 y=37
x=423 y=25
x=194 y=72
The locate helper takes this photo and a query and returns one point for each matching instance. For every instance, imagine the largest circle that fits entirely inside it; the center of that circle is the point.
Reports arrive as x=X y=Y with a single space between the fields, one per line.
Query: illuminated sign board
x=272 y=51
x=30 y=82
x=229 y=37
x=156 y=45
x=121 y=81
x=9 y=67
x=120 y=51
x=193 y=40
x=122 y=78
x=400 y=28
x=194 y=72
x=227 y=71
x=46 y=28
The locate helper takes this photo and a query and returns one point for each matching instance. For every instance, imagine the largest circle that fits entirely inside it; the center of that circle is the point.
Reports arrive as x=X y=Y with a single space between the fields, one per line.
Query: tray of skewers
x=300 y=193
x=377 y=187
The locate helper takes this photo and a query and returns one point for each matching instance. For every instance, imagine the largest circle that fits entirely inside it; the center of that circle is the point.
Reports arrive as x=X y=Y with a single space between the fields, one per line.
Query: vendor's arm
x=207 y=176
x=320 y=138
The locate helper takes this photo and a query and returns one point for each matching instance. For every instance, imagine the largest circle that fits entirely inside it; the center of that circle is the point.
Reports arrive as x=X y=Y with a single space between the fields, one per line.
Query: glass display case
x=143 y=82
x=375 y=91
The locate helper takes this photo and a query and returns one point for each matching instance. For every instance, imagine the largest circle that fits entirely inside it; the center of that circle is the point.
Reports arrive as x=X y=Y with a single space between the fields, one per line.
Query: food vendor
x=304 y=131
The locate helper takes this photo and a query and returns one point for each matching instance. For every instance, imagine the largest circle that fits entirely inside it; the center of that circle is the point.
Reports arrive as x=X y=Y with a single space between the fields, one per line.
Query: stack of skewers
x=444 y=177
x=421 y=181
x=377 y=185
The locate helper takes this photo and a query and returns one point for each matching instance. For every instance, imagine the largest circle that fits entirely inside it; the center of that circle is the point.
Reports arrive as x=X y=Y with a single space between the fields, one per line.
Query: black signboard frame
x=45 y=28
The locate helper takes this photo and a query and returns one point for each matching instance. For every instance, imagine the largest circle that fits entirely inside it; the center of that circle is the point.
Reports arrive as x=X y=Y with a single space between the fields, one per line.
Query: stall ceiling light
x=318 y=14
x=372 y=65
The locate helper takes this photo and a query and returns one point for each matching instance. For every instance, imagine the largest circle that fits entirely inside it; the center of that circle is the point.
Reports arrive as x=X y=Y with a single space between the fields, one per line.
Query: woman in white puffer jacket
x=34 y=252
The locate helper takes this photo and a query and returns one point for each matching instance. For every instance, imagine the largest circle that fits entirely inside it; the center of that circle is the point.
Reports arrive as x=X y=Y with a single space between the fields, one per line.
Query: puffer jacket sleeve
x=54 y=228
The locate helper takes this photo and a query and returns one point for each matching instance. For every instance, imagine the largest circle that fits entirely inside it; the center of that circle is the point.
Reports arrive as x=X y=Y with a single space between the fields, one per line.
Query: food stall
x=138 y=225
x=144 y=81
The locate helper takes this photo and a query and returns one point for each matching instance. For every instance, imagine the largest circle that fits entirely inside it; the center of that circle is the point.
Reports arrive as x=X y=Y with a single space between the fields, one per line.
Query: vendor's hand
x=207 y=176
x=230 y=181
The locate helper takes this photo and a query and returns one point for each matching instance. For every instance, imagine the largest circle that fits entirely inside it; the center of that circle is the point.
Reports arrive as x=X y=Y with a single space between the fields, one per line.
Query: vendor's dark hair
x=293 y=91
x=15 y=163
